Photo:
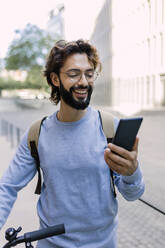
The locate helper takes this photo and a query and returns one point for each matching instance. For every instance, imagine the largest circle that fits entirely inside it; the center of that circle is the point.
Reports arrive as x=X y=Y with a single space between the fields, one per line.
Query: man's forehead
x=77 y=60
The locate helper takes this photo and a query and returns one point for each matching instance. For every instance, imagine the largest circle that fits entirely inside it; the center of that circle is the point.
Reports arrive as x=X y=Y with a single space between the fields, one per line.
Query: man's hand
x=120 y=160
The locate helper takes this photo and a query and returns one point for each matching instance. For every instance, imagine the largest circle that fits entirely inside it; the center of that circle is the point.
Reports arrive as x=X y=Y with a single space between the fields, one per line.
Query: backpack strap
x=107 y=123
x=33 y=137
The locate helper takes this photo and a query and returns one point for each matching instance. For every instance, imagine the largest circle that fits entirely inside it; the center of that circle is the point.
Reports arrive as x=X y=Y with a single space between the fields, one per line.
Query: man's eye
x=73 y=75
x=89 y=74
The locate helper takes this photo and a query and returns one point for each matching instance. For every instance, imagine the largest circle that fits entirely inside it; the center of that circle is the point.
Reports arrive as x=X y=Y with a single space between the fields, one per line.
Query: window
x=163 y=11
x=161 y=49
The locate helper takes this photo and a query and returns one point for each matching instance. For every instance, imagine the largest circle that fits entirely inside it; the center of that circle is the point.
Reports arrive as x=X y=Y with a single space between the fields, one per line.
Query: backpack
x=107 y=122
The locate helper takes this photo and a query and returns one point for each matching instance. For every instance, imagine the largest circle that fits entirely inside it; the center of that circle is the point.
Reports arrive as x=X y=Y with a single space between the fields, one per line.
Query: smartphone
x=126 y=132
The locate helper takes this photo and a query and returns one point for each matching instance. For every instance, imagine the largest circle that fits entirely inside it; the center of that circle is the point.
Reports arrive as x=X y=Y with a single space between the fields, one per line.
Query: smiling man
x=74 y=158
x=72 y=81
x=75 y=81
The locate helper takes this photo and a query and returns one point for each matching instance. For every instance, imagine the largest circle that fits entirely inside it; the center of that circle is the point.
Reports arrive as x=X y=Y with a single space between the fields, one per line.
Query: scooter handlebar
x=44 y=233
x=37 y=235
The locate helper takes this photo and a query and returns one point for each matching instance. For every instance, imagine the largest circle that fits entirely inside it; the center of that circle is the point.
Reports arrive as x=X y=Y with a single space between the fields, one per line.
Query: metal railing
x=12 y=132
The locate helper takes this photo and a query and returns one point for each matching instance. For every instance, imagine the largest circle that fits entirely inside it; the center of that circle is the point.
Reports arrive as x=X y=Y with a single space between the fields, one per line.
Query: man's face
x=76 y=84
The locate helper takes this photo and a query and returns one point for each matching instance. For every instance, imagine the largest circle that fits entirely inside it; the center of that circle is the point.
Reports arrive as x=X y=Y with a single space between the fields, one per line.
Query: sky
x=80 y=17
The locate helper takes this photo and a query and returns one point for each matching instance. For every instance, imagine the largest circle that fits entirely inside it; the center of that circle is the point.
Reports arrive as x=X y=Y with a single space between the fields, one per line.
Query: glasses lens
x=76 y=76
x=91 y=76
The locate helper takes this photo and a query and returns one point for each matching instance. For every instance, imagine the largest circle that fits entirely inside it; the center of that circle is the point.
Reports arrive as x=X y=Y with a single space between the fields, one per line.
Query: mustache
x=80 y=87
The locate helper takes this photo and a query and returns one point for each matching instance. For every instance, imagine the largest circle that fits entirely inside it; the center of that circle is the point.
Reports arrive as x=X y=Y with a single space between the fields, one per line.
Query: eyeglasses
x=75 y=75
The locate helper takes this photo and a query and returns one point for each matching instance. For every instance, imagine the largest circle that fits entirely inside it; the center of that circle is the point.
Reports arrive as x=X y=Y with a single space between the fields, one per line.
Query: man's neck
x=69 y=114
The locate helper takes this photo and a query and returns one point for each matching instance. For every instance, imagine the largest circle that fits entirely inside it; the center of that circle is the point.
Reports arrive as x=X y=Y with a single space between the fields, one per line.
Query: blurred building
x=55 y=24
x=102 y=39
x=130 y=36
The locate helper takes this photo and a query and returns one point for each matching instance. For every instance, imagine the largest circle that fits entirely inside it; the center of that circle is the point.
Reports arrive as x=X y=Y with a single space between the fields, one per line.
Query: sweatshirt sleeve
x=131 y=187
x=20 y=172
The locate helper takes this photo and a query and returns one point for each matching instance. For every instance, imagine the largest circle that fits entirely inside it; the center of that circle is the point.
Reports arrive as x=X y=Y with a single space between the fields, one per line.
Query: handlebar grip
x=44 y=233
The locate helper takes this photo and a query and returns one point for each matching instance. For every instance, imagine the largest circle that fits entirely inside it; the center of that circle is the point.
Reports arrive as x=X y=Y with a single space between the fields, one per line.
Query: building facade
x=102 y=39
x=55 y=25
x=136 y=53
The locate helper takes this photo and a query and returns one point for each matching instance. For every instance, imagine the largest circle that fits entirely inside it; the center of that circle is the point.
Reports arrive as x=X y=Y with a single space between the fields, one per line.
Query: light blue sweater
x=77 y=189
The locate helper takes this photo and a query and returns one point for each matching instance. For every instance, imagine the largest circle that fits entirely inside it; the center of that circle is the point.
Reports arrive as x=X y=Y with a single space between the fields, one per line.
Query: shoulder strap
x=107 y=122
x=33 y=137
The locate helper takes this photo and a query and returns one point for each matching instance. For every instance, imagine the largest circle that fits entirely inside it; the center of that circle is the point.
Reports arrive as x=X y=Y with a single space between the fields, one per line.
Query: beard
x=79 y=104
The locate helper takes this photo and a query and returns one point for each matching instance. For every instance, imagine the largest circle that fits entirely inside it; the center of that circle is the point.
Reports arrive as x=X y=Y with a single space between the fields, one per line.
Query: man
x=75 y=158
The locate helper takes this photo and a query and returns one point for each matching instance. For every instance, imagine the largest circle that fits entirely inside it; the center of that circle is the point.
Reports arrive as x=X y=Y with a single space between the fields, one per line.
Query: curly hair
x=58 y=55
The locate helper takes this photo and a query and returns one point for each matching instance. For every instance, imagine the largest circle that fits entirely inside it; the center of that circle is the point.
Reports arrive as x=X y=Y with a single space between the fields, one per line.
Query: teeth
x=80 y=91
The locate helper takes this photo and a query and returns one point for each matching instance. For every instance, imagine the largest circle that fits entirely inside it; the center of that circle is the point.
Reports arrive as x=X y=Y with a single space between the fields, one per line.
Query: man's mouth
x=80 y=93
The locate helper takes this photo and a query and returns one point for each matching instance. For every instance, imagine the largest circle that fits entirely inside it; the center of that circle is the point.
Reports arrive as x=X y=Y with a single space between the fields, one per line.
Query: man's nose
x=83 y=81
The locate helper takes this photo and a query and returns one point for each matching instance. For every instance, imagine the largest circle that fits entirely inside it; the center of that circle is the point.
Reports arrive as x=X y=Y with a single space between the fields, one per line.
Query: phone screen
x=126 y=132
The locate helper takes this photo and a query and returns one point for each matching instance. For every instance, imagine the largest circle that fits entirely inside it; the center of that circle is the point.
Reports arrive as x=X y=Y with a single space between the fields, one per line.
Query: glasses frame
x=74 y=80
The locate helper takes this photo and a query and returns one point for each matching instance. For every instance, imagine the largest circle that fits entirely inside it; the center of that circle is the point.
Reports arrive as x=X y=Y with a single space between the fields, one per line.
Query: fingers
x=135 y=146
x=119 y=150
x=115 y=158
x=120 y=160
x=115 y=162
x=123 y=152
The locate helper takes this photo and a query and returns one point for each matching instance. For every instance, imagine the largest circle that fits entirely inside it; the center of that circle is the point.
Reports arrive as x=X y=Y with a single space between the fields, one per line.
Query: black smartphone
x=126 y=132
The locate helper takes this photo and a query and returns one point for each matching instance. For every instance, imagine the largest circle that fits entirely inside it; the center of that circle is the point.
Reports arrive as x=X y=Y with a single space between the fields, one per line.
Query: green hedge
x=12 y=84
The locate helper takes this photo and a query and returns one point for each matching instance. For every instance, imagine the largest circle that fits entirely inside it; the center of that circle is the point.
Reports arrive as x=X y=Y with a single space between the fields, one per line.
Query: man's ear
x=55 y=79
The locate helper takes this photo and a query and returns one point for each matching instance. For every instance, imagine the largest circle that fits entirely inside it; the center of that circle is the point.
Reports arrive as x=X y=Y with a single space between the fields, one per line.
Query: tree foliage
x=35 y=79
x=28 y=51
x=29 y=48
